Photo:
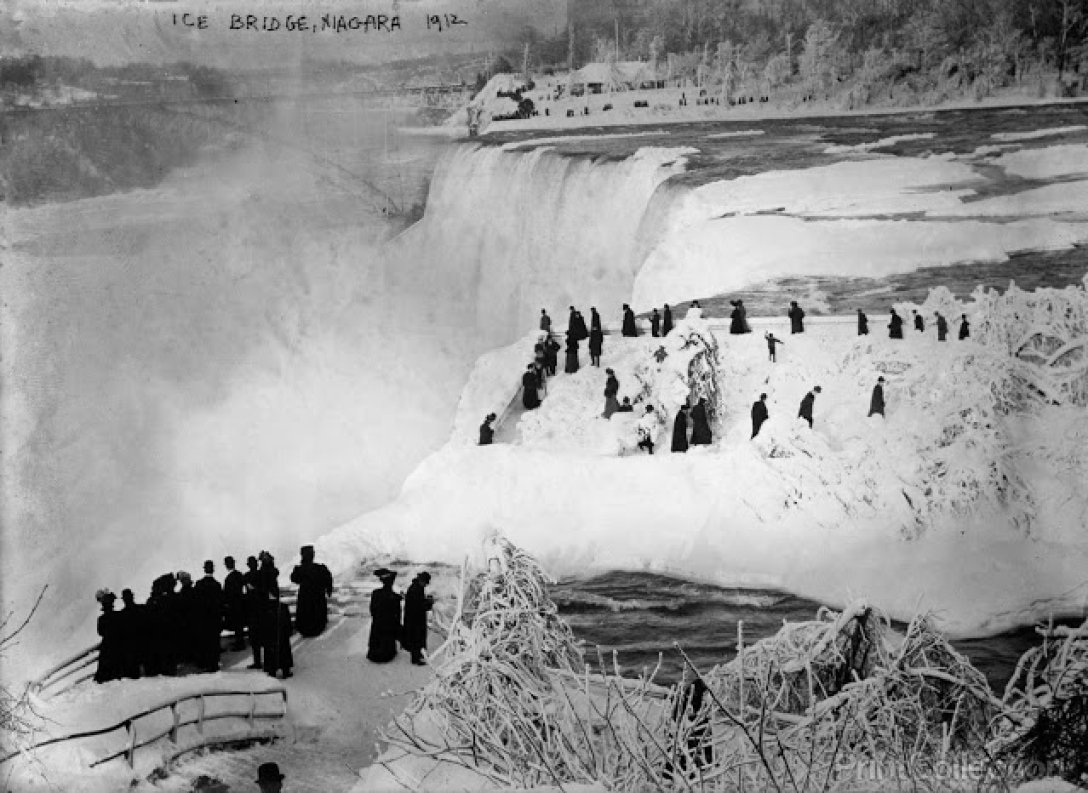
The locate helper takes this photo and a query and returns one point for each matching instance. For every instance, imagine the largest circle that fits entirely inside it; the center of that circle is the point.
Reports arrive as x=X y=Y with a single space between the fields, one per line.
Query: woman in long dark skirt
x=596 y=345
x=700 y=426
x=385 y=624
x=572 y=354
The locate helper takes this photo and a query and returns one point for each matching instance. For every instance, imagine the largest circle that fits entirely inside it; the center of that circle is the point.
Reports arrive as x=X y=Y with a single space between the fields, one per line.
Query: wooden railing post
x=200 y=716
x=130 y=755
x=283 y=694
x=252 y=707
x=174 y=729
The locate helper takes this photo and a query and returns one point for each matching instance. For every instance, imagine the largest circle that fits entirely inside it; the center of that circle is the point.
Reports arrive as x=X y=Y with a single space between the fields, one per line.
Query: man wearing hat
x=487 y=432
x=385 y=619
x=876 y=404
x=110 y=666
x=314 y=585
x=806 y=405
x=269 y=778
x=416 y=605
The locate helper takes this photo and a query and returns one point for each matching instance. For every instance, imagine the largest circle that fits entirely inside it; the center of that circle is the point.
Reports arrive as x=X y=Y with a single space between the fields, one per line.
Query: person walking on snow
x=580 y=325
x=700 y=425
x=385 y=619
x=666 y=322
x=551 y=355
x=965 y=328
x=594 y=319
x=863 y=323
x=572 y=354
x=629 y=326
x=314 y=587
x=942 y=327
x=806 y=406
x=680 y=430
x=919 y=323
x=596 y=345
x=876 y=404
x=416 y=605
x=545 y=321
x=655 y=324
x=771 y=343
x=530 y=399
x=895 y=326
x=797 y=318
x=487 y=432
x=759 y=414
x=647 y=429
x=611 y=389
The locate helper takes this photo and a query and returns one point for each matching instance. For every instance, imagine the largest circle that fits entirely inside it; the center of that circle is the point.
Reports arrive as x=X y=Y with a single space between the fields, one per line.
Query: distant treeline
x=26 y=73
x=987 y=43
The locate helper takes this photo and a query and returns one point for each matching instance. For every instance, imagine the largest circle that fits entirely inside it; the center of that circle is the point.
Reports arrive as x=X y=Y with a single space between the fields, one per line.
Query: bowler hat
x=269 y=772
x=383 y=572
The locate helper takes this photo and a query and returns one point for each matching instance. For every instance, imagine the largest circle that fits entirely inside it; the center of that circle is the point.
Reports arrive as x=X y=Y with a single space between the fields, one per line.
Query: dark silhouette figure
x=529 y=396
x=269 y=778
x=965 y=327
x=863 y=323
x=572 y=322
x=626 y=407
x=572 y=354
x=759 y=414
x=942 y=327
x=919 y=323
x=594 y=319
x=551 y=355
x=110 y=653
x=545 y=321
x=234 y=606
x=806 y=405
x=162 y=653
x=385 y=619
x=132 y=633
x=596 y=346
x=772 y=342
x=314 y=587
x=256 y=595
x=611 y=390
x=580 y=326
x=666 y=321
x=208 y=605
x=738 y=318
x=655 y=324
x=188 y=619
x=487 y=433
x=876 y=404
x=416 y=605
x=629 y=326
x=647 y=426
x=797 y=318
x=700 y=425
x=895 y=326
x=276 y=633
x=680 y=430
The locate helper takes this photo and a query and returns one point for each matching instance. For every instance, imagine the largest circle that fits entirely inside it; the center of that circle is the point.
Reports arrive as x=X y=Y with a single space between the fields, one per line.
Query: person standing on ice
x=680 y=430
x=580 y=325
x=276 y=632
x=596 y=345
x=647 y=429
x=695 y=311
x=629 y=326
x=772 y=342
x=655 y=324
x=759 y=414
x=208 y=602
x=965 y=328
x=269 y=778
x=530 y=399
x=797 y=318
x=551 y=355
x=611 y=390
x=132 y=630
x=863 y=323
x=545 y=321
x=234 y=614
x=572 y=354
x=919 y=323
x=895 y=326
x=876 y=404
x=110 y=659
x=806 y=406
x=572 y=321
x=942 y=327
x=666 y=321
x=487 y=433
x=255 y=598
x=700 y=425
x=416 y=605
x=594 y=319
x=314 y=586
x=385 y=619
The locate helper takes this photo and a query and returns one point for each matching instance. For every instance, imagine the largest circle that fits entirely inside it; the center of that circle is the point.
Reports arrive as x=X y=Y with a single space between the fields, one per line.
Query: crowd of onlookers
x=181 y=626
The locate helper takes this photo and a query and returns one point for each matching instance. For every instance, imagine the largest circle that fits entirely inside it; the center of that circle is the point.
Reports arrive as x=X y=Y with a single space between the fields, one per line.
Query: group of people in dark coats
x=895 y=325
x=760 y=414
x=700 y=427
x=182 y=623
x=386 y=628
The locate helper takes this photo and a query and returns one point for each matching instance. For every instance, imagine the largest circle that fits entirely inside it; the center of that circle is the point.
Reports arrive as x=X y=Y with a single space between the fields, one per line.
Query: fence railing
x=67 y=673
x=133 y=741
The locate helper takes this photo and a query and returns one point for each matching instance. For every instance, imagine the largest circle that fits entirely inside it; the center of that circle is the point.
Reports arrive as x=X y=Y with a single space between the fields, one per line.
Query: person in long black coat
x=132 y=630
x=806 y=406
x=759 y=414
x=942 y=327
x=529 y=396
x=572 y=354
x=965 y=327
x=545 y=321
x=594 y=320
x=680 y=430
x=629 y=326
x=234 y=606
x=161 y=628
x=863 y=323
x=611 y=393
x=919 y=323
x=188 y=619
x=580 y=325
x=700 y=425
x=876 y=403
x=276 y=636
x=666 y=321
x=655 y=324
x=385 y=619
x=797 y=318
x=416 y=605
x=314 y=586
x=895 y=326
x=596 y=346
x=256 y=595
x=110 y=652
x=572 y=321
x=208 y=607
x=487 y=432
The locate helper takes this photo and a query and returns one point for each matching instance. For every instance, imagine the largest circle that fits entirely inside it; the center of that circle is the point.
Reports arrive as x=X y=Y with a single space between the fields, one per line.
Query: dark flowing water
x=639 y=615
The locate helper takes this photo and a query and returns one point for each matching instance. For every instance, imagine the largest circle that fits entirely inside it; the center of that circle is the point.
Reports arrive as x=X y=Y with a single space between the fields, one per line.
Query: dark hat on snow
x=269 y=772
x=384 y=573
